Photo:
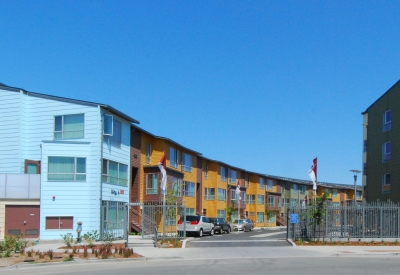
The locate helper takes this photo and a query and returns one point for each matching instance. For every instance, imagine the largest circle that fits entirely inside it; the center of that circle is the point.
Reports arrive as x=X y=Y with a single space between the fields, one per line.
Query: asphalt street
x=257 y=238
x=281 y=266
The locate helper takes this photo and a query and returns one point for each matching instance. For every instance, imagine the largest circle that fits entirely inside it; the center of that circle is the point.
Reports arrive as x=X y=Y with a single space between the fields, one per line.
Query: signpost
x=294 y=218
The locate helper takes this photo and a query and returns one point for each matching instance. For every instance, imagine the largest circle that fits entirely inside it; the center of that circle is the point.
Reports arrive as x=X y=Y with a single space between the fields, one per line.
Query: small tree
x=317 y=211
x=229 y=212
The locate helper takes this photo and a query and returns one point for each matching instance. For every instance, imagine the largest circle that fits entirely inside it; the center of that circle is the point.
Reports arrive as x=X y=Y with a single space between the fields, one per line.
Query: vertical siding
x=10 y=132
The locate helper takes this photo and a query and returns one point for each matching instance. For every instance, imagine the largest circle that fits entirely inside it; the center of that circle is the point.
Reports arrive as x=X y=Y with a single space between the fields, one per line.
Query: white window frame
x=387 y=156
x=251 y=199
x=62 y=131
x=148 y=152
x=176 y=187
x=386 y=179
x=189 y=193
x=209 y=194
x=173 y=157
x=262 y=183
x=105 y=176
x=260 y=199
x=116 y=138
x=108 y=119
x=260 y=217
x=295 y=188
x=387 y=121
x=223 y=196
x=186 y=162
x=221 y=213
x=270 y=184
x=152 y=183
x=206 y=171
x=78 y=176
x=271 y=201
x=232 y=176
x=224 y=173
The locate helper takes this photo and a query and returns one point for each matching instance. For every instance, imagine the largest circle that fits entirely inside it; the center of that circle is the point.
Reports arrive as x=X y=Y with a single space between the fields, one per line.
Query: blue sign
x=294 y=218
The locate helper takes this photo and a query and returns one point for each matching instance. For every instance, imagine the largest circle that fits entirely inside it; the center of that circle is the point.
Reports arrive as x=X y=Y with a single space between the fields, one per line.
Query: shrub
x=108 y=238
x=68 y=239
x=50 y=254
x=90 y=237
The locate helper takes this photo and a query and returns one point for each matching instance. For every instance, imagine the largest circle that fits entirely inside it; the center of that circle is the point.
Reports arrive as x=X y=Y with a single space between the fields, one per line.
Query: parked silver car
x=243 y=225
x=196 y=225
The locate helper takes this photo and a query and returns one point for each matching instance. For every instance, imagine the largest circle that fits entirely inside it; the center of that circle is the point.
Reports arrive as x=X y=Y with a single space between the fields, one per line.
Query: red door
x=22 y=219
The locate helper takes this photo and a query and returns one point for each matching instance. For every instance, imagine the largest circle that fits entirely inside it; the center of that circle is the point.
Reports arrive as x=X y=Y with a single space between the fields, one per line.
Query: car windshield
x=240 y=221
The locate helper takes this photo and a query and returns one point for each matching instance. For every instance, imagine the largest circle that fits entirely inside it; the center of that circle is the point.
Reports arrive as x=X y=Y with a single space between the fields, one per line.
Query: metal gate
x=114 y=222
x=156 y=220
x=363 y=221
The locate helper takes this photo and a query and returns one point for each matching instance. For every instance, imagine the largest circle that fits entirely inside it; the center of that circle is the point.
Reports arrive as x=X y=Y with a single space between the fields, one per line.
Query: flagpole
x=238 y=214
x=165 y=214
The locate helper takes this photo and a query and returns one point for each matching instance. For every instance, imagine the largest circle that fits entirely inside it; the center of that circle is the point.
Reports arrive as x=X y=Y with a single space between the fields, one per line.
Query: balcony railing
x=19 y=186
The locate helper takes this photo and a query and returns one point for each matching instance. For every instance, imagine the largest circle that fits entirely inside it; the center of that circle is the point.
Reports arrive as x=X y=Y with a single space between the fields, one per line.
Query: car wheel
x=251 y=228
x=201 y=233
x=212 y=232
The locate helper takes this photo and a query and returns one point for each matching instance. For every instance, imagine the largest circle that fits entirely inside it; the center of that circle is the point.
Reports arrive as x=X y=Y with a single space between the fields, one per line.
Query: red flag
x=163 y=161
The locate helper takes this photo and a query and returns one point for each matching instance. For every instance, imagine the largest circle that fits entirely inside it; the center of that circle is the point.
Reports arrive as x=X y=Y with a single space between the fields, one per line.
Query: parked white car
x=196 y=225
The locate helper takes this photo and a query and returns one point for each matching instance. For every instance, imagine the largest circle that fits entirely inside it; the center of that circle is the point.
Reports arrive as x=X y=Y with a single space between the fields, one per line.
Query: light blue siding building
x=81 y=151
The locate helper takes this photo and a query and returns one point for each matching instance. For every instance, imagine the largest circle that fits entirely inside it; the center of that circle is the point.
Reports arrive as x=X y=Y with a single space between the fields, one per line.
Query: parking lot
x=259 y=237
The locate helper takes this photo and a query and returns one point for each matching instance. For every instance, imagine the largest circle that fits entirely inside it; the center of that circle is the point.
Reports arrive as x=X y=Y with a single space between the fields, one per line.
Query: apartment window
x=358 y=195
x=108 y=125
x=272 y=219
x=260 y=217
x=251 y=199
x=271 y=200
x=233 y=195
x=148 y=152
x=176 y=187
x=385 y=179
x=59 y=222
x=69 y=126
x=189 y=211
x=302 y=189
x=115 y=173
x=282 y=188
x=221 y=194
x=386 y=151
x=151 y=184
x=221 y=213
x=115 y=138
x=247 y=181
x=174 y=157
x=270 y=184
x=205 y=171
x=232 y=176
x=224 y=173
x=186 y=162
x=209 y=193
x=365 y=146
x=327 y=191
x=262 y=183
x=260 y=199
x=387 y=121
x=336 y=204
x=284 y=202
x=66 y=169
x=189 y=189
x=294 y=188
x=294 y=202
x=334 y=193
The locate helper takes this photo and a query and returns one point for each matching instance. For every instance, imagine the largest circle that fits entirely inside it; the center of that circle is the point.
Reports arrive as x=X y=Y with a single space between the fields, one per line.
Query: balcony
x=19 y=186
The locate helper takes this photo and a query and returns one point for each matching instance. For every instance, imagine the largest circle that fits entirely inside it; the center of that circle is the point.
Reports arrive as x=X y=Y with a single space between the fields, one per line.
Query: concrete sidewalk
x=146 y=249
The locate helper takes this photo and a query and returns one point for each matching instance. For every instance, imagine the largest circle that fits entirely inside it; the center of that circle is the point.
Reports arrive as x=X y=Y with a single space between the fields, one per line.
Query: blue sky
x=262 y=85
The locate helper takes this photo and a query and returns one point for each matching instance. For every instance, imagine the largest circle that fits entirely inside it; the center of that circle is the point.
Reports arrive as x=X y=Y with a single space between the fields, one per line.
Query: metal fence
x=363 y=221
x=155 y=222
x=114 y=220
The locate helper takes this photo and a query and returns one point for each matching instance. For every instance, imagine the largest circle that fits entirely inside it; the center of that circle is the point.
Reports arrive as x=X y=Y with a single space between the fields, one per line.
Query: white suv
x=197 y=225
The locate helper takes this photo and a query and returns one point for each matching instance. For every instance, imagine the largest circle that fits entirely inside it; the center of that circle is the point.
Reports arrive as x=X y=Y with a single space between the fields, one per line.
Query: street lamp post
x=355 y=172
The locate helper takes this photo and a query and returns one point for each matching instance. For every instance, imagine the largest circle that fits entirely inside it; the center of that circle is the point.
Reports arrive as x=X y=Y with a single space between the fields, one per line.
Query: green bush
x=68 y=239
x=90 y=237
